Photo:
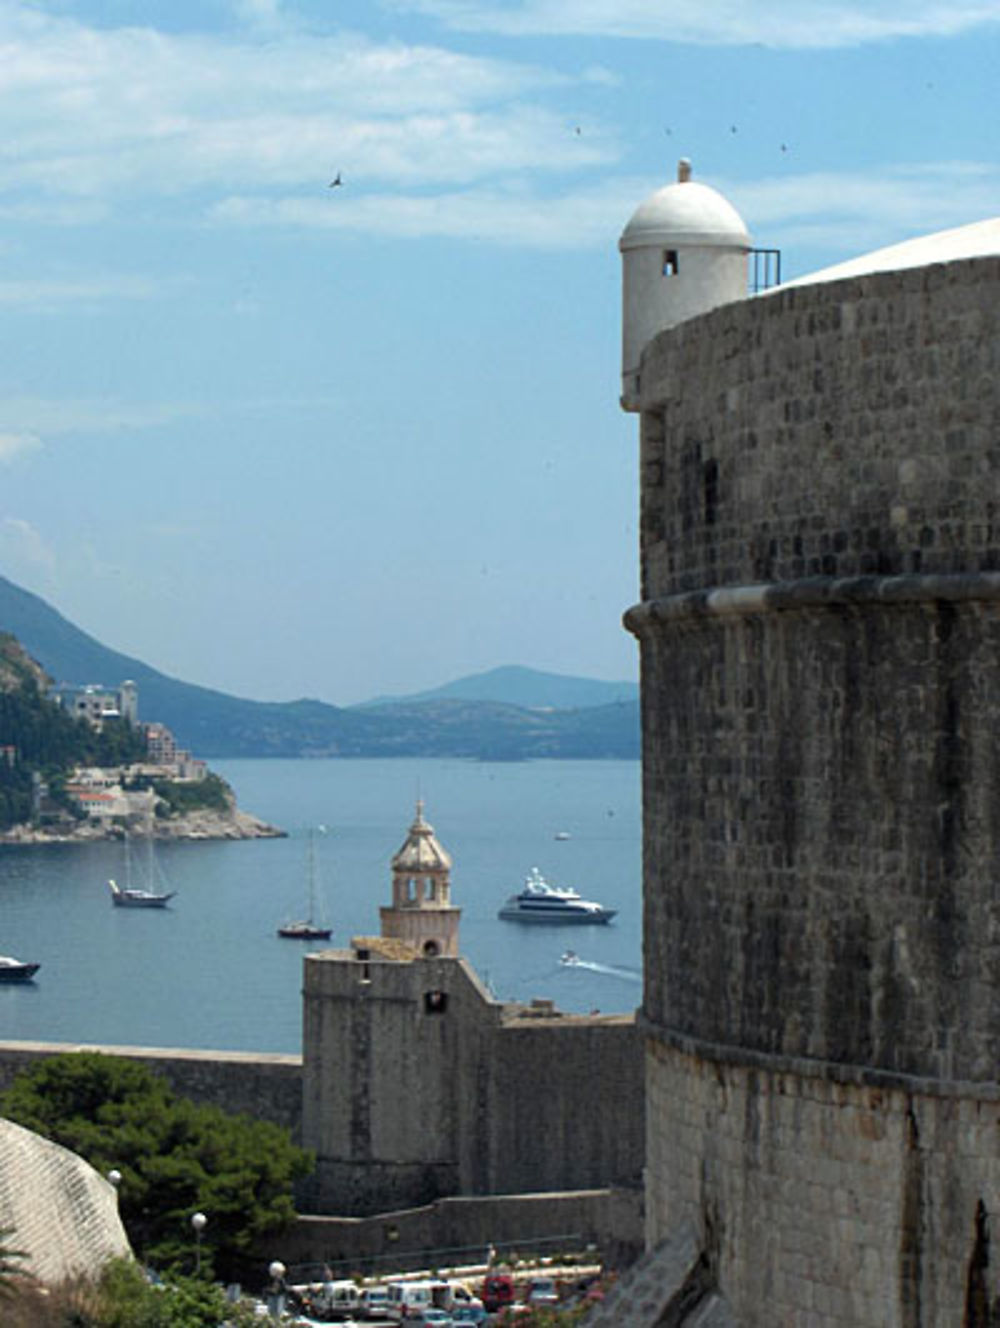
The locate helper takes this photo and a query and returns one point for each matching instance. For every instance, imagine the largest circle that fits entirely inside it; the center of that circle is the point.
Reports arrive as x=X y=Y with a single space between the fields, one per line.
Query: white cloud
x=13 y=446
x=27 y=416
x=47 y=418
x=22 y=545
x=96 y=115
x=574 y=220
x=853 y=212
x=782 y=23
x=847 y=212
x=259 y=13
x=50 y=294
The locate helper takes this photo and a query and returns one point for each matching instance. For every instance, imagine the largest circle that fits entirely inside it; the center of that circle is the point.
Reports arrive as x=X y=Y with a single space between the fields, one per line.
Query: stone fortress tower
x=421 y=912
x=418 y=1083
x=820 y=646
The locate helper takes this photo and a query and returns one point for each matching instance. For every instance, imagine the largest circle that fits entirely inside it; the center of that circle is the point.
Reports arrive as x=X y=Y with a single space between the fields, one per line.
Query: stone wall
x=266 y=1086
x=821 y=1199
x=841 y=429
x=820 y=634
x=61 y=1214
x=418 y=1084
x=460 y=1230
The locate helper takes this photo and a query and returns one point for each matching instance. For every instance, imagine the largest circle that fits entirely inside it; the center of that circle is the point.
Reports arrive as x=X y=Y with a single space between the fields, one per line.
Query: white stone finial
x=684 y=170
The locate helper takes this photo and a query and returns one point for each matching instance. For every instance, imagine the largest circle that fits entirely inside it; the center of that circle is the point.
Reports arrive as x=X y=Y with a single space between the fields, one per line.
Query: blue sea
x=210 y=972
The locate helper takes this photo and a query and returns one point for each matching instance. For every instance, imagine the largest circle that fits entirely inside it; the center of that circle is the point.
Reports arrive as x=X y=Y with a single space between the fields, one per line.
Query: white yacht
x=540 y=902
x=15 y=970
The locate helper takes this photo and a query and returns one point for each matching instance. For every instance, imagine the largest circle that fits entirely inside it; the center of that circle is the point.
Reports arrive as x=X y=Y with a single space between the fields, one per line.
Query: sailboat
x=129 y=896
x=307 y=928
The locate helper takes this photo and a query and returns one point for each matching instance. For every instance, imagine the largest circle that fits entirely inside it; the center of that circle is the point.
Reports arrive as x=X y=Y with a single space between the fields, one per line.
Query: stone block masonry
x=419 y=1085
x=820 y=636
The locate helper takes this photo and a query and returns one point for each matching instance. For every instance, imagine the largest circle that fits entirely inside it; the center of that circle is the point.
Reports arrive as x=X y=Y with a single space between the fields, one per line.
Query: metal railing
x=765 y=269
x=442 y=1257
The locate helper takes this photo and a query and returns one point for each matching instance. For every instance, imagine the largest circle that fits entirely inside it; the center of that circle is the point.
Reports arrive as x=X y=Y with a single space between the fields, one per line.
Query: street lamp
x=199 y=1221
x=276 y=1291
x=114 y=1179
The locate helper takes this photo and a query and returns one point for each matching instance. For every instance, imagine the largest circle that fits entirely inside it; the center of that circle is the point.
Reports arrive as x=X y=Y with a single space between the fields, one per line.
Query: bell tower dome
x=684 y=251
x=421 y=912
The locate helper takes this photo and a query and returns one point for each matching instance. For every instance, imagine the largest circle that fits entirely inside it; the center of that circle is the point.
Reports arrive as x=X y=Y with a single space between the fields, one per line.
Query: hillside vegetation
x=38 y=737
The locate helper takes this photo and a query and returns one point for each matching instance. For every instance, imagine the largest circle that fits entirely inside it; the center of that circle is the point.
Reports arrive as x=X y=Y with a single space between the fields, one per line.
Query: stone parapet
x=841 y=429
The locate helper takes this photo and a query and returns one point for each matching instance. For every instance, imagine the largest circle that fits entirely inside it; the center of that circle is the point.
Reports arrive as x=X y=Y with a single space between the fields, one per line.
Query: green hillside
x=38 y=737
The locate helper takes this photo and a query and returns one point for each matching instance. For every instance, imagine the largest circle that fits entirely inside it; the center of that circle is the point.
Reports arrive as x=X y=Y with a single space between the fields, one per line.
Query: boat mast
x=311 y=877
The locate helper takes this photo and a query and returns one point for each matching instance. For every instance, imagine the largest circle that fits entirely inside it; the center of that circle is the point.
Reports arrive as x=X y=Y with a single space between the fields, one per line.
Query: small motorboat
x=569 y=957
x=561 y=835
x=540 y=902
x=14 y=970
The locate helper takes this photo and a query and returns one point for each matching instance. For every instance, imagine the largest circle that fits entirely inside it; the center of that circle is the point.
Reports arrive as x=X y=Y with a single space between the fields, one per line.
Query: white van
x=337 y=1300
x=374 y=1302
x=408 y=1298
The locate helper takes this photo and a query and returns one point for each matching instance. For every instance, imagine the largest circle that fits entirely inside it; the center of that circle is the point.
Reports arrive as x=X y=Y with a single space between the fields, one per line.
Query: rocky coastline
x=200 y=824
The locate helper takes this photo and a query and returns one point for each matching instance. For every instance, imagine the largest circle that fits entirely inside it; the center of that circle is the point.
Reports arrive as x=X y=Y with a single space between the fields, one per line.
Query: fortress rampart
x=419 y=1085
x=820 y=636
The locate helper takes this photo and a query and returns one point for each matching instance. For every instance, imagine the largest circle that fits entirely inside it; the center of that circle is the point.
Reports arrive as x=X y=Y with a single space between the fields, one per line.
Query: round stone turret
x=421 y=912
x=683 y=252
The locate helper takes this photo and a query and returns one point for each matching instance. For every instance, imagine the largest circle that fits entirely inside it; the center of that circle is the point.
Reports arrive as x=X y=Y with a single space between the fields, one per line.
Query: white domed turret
x=683 y=252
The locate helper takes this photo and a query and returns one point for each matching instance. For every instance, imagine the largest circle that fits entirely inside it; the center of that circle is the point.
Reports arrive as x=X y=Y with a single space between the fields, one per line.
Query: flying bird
x=336 y=182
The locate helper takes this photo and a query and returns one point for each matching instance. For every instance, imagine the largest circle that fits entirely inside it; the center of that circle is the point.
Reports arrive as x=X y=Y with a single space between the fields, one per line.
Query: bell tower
x=421 y=912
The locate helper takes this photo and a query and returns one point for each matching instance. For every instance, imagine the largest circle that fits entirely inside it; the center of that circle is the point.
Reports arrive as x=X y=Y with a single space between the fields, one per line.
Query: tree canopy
x=175 y=1157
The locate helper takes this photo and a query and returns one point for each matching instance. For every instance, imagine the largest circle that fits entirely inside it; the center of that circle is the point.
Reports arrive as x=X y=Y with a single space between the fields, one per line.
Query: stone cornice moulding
x=804 y=1067
x=816 y=592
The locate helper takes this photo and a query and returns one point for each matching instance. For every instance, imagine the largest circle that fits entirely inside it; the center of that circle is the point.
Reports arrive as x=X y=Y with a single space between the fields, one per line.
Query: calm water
x=210 y=971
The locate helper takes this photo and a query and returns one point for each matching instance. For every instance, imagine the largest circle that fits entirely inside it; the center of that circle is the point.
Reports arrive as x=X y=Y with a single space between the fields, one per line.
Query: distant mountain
x=215 y=724
x=515 y=685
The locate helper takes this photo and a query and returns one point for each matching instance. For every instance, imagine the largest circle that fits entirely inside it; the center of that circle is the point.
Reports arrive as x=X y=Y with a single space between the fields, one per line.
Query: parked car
x=373 y=1303
x=498 y=1291
x=459 y=1294
x=542 y=1291
x=429 y=1318
x=471 y=1313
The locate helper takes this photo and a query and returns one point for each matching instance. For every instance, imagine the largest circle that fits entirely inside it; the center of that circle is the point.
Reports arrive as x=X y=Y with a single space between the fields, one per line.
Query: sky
x=287 y=439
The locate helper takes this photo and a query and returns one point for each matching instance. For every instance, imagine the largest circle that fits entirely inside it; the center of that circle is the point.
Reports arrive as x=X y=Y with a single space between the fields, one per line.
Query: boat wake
x=572 y=960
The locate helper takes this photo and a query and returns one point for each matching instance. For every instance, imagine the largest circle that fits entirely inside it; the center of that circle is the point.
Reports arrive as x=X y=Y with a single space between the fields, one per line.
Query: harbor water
x=210 y=972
